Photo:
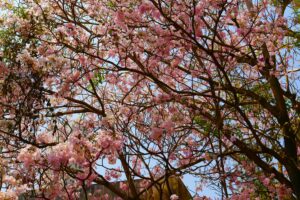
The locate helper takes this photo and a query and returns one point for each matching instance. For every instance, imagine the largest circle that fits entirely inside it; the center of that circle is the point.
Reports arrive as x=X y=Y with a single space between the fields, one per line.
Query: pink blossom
x=266 y=181
x=232 y=138
x=156 y=133
x=120 y=19
x=123 y=186
x=144 y=7
x=118 y=144
x=168 y=126
x=174 y=197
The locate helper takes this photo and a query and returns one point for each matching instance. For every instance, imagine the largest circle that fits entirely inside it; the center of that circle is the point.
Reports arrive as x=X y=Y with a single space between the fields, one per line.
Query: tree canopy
x=98 y=91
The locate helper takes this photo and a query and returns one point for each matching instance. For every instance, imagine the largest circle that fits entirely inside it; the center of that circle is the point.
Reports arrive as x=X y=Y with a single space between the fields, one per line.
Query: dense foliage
x=97 y=91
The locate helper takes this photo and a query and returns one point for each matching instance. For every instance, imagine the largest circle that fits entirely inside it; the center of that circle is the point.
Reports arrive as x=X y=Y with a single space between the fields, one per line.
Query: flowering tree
x=96 y=91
